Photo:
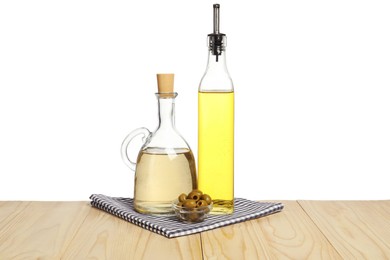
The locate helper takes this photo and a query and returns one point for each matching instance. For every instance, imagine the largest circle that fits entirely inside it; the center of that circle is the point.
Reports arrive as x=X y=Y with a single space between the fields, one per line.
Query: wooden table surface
x=303 y=230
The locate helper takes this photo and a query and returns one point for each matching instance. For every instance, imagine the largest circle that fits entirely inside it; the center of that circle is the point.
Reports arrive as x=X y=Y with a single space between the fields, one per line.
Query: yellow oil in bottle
x=216 y=148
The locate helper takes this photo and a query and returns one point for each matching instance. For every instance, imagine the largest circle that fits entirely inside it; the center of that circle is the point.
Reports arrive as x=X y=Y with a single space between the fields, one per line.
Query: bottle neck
x=166 y=111
x=217 y=62
x=216 y=77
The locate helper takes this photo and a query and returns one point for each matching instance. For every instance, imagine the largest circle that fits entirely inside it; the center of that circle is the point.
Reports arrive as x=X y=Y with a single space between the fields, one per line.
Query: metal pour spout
x=216 y=18
x=216 y=39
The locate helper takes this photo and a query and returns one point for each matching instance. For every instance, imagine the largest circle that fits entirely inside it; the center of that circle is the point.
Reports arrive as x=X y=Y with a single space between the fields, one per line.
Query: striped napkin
x=170 y=226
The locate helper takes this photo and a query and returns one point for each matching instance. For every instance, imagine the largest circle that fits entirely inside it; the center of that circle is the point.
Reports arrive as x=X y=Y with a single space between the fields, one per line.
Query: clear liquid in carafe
x=161 y=176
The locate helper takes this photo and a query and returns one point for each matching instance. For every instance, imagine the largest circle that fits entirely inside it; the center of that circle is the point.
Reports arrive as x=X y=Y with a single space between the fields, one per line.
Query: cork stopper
x=165 y=84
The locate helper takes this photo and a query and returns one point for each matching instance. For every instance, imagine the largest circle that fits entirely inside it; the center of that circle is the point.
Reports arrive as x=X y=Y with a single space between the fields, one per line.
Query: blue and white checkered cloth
x=170 y=226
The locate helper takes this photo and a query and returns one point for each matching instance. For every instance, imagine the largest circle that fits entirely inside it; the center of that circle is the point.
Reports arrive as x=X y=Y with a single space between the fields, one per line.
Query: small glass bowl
x=193 y=215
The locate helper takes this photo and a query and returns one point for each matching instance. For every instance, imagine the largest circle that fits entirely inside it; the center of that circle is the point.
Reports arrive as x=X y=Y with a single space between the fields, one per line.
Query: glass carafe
x=165 y=166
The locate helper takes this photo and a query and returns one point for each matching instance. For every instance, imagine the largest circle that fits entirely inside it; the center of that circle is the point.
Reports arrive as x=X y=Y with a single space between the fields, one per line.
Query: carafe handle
x=125 y=157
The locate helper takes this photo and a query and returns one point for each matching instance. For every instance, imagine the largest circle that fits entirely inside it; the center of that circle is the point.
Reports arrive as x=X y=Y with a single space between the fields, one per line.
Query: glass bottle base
x=222 y=207
x=157 y=209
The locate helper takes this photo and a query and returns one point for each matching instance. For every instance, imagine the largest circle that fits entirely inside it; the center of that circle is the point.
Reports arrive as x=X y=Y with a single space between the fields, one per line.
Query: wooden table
x=303 y=230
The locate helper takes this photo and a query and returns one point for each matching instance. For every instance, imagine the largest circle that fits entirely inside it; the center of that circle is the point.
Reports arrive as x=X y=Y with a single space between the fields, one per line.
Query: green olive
x=206 y=198
x=201 y=203
x=182 y=197
x=194 y=195
x=189 y=204
x=193 y=217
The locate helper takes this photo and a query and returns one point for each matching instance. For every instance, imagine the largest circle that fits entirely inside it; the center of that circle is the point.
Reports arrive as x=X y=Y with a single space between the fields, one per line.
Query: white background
x=312 y=82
